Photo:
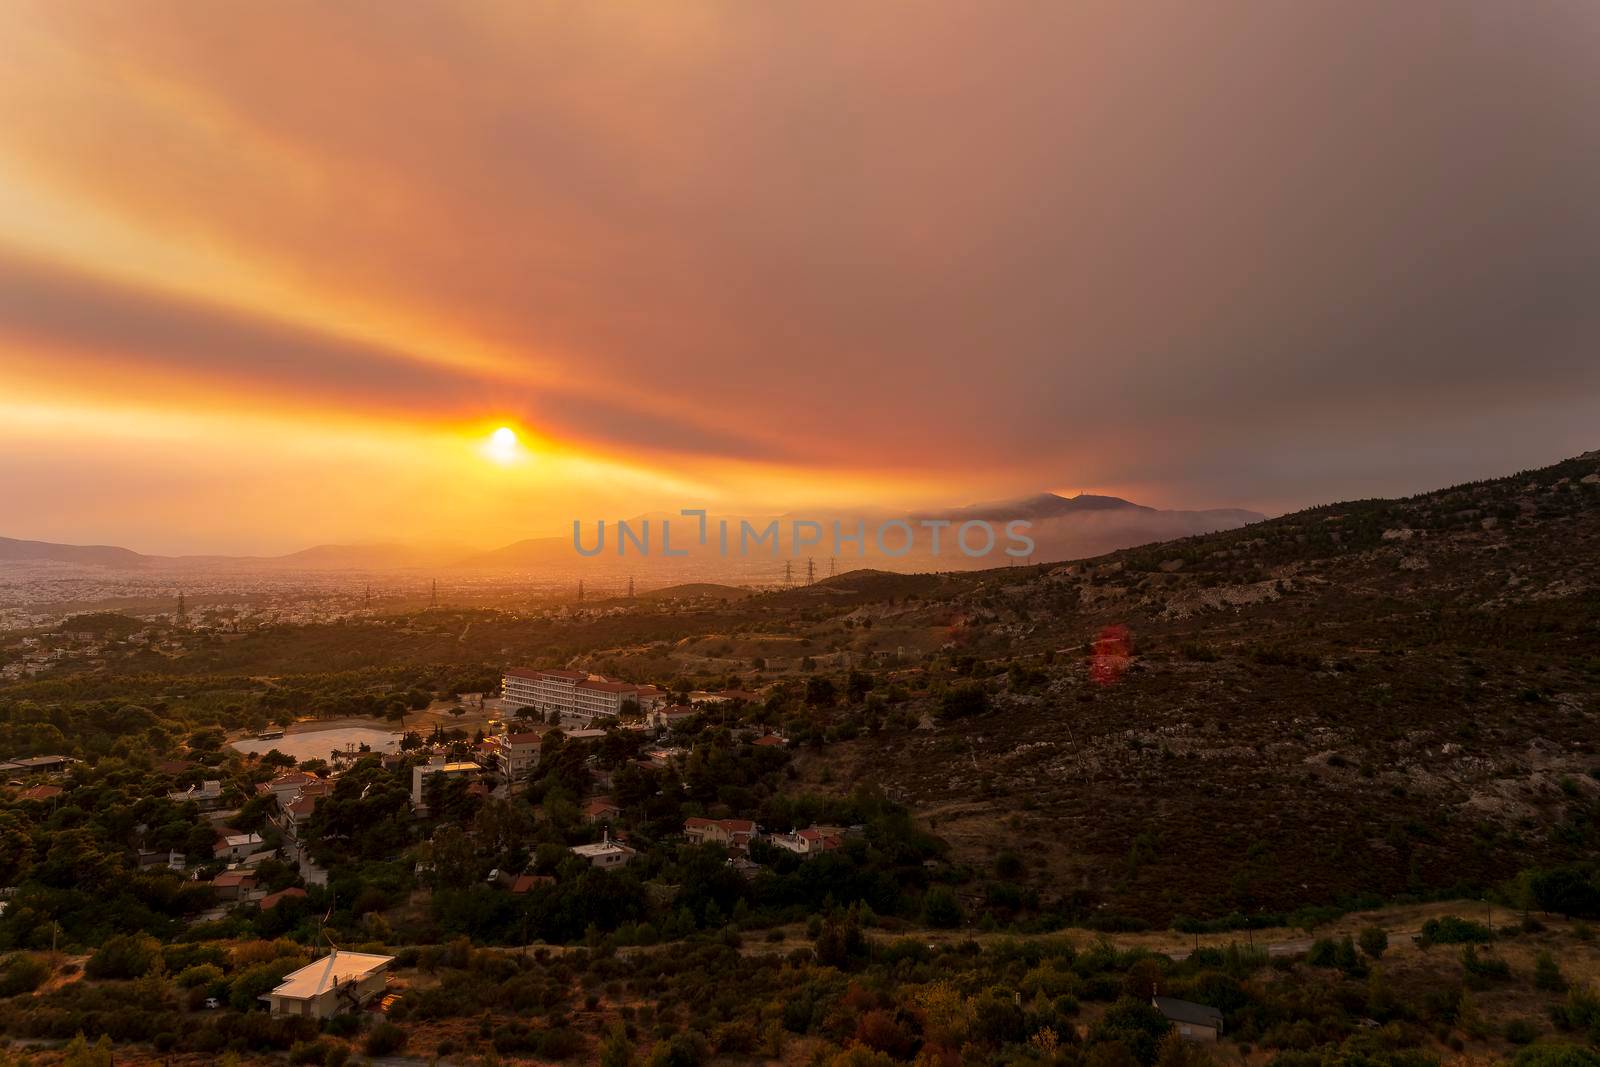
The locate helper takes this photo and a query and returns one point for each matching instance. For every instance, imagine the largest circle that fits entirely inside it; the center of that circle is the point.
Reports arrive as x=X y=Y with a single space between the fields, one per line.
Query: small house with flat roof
x=337 y=983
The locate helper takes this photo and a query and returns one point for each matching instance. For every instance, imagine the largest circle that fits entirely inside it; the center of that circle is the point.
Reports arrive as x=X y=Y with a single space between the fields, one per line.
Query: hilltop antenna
x=811 y=570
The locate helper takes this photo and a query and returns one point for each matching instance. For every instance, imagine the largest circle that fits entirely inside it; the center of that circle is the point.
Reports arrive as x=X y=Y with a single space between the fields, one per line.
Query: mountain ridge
x=1116 y=523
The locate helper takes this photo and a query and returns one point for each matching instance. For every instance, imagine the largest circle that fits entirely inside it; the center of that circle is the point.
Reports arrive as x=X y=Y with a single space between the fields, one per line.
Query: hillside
x=13 y=550
x=1358 y=701
x=1371 y=697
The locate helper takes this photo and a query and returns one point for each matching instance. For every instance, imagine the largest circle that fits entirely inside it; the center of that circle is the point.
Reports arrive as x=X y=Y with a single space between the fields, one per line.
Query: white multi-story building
x=437 y=765
x=572 y=694
x=512 y=755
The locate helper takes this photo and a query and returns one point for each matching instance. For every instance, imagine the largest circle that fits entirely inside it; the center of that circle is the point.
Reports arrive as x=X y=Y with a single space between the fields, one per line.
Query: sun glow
x=503 y=446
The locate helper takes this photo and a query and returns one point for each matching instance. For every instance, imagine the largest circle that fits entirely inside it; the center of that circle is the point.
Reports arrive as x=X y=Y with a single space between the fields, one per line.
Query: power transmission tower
x=788 y=572
x=832 y=566
x=811 y=570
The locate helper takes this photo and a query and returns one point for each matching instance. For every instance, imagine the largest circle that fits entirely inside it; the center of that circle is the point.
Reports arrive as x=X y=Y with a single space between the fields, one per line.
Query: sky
x=272 y=275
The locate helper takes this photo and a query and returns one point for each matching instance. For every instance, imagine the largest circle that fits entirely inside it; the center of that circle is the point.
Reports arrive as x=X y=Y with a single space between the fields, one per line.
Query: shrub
x=1521 y=1032
x=964 y=702
x=1547 y=975
x=22 y=973
x=385 y=1039
x=124 y=956
x=1454 y=930
x=198 y=975
x=941 y=908
x=1374 y=941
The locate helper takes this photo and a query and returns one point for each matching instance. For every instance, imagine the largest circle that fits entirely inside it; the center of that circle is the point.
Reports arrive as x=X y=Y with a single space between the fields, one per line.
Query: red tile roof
x=272 y=900
x=41 y=792
x=522 y=883
x=608 y=687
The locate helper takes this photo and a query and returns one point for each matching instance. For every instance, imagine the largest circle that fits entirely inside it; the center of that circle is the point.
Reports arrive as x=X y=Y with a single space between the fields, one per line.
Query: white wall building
x=339 y=982
x=437 y=765
x=572 y=695
x=605 y=854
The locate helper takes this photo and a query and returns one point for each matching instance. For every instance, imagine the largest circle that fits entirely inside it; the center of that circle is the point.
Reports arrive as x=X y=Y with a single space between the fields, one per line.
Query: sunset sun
x=503 y=446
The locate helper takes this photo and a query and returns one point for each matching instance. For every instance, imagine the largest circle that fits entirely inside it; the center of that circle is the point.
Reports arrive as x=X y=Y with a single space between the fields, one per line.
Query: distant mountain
x=1062 y=528
x=376 y=557
x=1072 y=527
x=90 y=555
x=1043 y=506
x=360 y=557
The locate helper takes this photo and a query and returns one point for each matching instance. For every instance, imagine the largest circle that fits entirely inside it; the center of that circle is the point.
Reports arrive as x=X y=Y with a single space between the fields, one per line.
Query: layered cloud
x=1241 y=254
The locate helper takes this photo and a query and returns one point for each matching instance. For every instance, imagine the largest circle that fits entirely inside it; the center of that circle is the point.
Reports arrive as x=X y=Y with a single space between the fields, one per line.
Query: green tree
x=79 y=1053
x=124 y=956
x=940 y=908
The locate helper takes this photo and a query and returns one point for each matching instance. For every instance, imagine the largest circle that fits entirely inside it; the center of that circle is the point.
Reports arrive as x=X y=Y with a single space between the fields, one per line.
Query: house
x=234 y=884
x=295 y=815
x=207 y=796
x=601 y=809
x=667 y=718
x=769 y=741
x=170 y=859
x=237 y=846
x=1194 y=1022
x=272 y=900
x=437 y=765
x=510 y=756
x=744 y=867
x=286 y=787
x=522 y=883
x=812 y=841
x=40 y=792
x=729 y=833
x=605 y=854
x=339 y=982
x=37 y=765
